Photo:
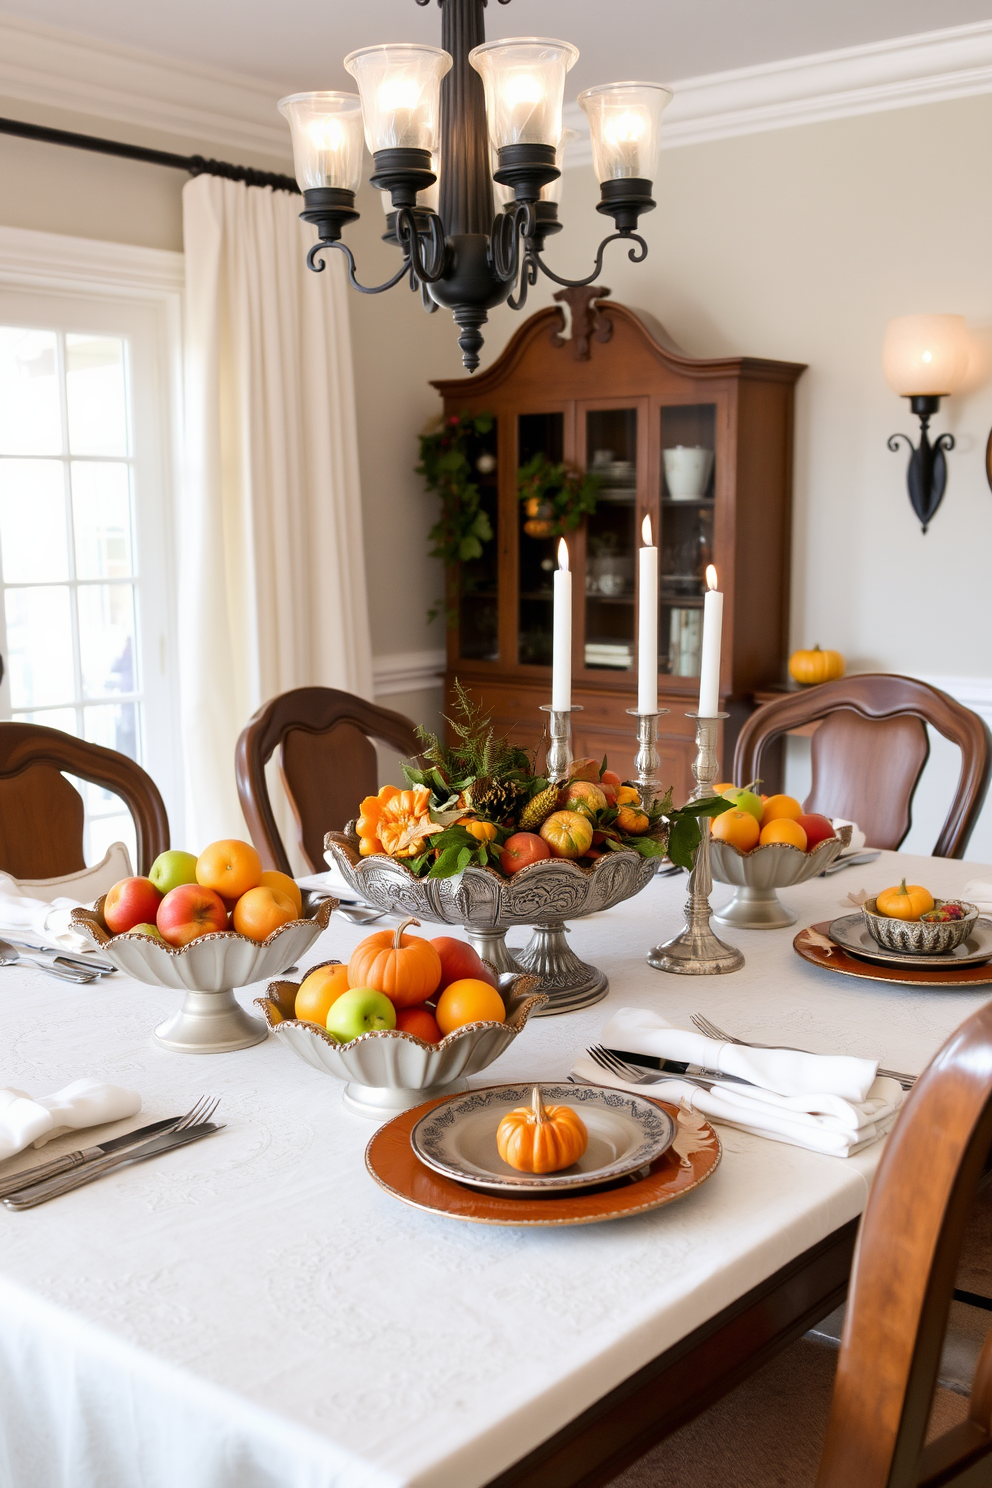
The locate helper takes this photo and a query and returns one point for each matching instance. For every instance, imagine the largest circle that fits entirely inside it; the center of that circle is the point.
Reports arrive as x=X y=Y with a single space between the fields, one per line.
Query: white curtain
x=269 y=540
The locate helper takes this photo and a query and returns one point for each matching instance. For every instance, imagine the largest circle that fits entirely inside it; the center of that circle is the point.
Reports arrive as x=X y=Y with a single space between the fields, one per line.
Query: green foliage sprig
x=571 y=493
x=463 y=526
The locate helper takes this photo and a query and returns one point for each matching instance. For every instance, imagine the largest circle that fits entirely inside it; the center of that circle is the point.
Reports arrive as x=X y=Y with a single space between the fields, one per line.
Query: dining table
x=255 y=1311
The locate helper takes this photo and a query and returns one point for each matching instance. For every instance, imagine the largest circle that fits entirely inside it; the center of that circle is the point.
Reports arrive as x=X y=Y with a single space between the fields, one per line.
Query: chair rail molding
x=407 y=671
x=42 y=65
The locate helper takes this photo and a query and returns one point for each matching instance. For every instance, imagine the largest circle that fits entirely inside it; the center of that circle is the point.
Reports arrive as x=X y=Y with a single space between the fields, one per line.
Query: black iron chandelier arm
x=414 y=264
x=509 y=229
x=635 y=257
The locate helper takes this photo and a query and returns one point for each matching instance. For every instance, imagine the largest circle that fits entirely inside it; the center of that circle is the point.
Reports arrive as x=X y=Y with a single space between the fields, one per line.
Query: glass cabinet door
x=688 y=452
x=611 y=452
x=537 y=434
x=478 y=604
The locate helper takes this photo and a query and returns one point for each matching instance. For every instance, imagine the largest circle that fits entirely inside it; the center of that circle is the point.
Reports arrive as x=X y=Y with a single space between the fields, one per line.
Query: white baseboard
x=407 y=671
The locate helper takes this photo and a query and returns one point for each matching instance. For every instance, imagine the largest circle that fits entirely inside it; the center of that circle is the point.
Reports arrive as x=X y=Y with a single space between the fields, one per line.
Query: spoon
x=11 y=956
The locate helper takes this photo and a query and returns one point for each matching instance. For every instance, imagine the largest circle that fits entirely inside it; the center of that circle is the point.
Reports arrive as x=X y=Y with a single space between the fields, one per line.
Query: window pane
x=33 y=547
x=39 y=646
x=106 y=638
x=30 y=415
x=101 y=519
x=102 y=831
x=115 y=726
x=96 y=395
x=57 y=718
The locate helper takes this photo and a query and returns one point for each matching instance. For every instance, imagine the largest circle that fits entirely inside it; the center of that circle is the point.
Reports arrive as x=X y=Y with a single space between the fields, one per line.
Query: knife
x=56 y=1165
x=53 y=1188
x=84 y=963
x=676 y=1067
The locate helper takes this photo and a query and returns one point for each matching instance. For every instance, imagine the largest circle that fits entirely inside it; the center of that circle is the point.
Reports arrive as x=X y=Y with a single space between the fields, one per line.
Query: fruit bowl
x=486 y=904
x=211 y=1020
x=920 y=937
x=758 y=873
x=388 y=1071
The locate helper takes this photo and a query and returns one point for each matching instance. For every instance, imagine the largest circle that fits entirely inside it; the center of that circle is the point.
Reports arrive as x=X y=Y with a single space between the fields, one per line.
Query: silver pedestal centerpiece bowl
x=758 y=873
x=543 y=896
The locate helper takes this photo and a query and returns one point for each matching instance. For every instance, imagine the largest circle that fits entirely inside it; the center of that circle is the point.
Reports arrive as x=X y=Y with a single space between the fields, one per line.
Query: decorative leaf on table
x=819 y=942
x=693 y=1134
x=856 y=899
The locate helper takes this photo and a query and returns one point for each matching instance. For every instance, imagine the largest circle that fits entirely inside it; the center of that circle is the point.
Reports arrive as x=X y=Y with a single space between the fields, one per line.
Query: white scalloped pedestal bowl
x=211 y=1020
x=387 y=1071
x=758 y=873
x=486 y=904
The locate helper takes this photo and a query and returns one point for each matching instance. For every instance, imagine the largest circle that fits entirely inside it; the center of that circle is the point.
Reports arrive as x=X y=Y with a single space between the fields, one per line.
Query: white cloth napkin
x=83 y=1103
x=835 y=1104
x=331 y=882
x=45 y=919
x=979 y=892
x=858 y=840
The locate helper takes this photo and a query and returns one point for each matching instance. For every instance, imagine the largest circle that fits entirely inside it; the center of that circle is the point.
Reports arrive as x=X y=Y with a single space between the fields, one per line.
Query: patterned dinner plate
x=851 y=932
x=458 y=1138
x=833 y=957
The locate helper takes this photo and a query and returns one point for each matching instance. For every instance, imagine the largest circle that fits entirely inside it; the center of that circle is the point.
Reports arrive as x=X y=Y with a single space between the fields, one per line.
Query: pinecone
x=493 y=799
x=537 y=810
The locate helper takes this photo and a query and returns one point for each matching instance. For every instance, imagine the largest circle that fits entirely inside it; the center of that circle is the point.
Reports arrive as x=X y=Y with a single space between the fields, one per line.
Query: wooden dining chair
x=869 y=750
x=42 y=813
x=327 y=760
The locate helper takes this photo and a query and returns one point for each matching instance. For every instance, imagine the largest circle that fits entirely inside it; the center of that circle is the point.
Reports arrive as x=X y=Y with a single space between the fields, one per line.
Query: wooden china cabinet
x=612 y=398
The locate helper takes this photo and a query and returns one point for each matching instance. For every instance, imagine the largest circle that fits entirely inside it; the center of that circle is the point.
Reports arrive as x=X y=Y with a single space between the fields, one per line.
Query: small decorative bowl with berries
x=908 y=919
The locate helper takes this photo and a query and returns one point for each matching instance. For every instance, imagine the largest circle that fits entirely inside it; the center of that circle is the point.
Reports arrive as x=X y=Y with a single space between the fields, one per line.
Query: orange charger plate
x=847 y=965
x=395 y=1166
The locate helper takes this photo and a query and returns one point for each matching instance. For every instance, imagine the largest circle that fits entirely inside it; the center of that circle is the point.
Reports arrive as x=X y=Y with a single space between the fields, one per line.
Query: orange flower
x=396 y=822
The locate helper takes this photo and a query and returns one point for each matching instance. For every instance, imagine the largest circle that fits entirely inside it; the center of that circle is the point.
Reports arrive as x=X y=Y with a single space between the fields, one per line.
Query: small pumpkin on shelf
x=541 y=1139
x=406 y=968
x=816 y=666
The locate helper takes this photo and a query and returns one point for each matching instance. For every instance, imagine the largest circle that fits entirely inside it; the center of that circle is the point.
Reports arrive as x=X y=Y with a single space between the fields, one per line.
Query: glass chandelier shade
x=925 y=355
x=625 y=122
x=524 y=81
x=400 y=88
x=327 y=139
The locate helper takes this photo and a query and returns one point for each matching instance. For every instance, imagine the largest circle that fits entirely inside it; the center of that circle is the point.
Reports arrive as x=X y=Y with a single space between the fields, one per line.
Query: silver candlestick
x=696 y=951
x=560 y=743
x=648 y=785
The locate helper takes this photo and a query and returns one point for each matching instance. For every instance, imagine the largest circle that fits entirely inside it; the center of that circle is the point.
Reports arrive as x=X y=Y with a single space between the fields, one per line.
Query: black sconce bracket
x=926 y=474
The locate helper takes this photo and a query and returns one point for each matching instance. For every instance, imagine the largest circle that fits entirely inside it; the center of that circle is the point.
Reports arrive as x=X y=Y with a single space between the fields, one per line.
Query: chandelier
x=466 y=141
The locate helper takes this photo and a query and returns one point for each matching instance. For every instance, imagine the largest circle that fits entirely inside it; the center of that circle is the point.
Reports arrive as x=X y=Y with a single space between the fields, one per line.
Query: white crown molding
x=974 y=692
x=407 y=671
x=928 y=68
x=49 y=67
x=53 y=261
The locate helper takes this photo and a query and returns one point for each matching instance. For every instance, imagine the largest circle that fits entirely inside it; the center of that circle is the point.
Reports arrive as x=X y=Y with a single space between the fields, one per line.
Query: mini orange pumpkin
x=812 y=667
x=541 y=1139
x=632 y=820
x=904 y=903
x=482 y=831
x=406 y=968
x=567 y=833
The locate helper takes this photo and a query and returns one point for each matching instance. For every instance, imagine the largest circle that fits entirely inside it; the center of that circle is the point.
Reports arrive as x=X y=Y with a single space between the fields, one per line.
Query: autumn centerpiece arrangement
x=479 y=801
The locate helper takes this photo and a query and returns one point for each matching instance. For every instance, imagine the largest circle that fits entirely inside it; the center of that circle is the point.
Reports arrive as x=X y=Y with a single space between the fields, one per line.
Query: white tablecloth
x=255 y=1312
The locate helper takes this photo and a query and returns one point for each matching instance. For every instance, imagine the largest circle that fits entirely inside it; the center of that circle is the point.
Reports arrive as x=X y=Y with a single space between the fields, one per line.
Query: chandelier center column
x=466 y=180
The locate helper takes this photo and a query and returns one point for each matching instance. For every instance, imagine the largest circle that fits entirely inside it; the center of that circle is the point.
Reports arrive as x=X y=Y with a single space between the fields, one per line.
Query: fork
x=711 y=1031
x=613 y=1065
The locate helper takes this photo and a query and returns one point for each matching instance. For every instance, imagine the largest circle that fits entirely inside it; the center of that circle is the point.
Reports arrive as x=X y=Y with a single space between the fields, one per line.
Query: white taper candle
x=709 y=665
x=647 y=623
x=561 y=654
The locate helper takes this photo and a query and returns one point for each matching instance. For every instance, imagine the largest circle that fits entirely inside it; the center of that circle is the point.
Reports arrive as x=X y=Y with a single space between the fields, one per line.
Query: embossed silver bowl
x=388 y=1071
x=211 y=1020
x=920 y=937
x=543 y=895
x=758 y=873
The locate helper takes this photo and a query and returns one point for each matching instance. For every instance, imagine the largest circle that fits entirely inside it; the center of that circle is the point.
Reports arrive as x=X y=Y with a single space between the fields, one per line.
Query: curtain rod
x=197 y=165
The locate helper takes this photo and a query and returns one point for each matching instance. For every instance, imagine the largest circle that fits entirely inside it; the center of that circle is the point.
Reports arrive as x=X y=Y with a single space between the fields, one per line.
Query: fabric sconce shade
x=925 y=355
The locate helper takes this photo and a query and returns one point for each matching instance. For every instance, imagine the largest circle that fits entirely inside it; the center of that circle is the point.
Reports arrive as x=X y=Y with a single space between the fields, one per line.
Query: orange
x=261 y=911
x=738 y=828
x=783 y=830
x=779 y=808
x=318 y=990
x=724 y=785
x=273 y=879
x=468 y=1001
x=420 y=1022
x=230 y=868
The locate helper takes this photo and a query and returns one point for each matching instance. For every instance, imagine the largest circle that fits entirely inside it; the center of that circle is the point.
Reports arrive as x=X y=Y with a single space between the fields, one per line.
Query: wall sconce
x=925 y=358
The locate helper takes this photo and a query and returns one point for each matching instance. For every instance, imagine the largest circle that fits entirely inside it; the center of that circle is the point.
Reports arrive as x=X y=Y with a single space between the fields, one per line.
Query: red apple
x=188 y=912
x=133 y=901
x=459 y=960
x=521 y=849
x=610 y=777
x=817 y=829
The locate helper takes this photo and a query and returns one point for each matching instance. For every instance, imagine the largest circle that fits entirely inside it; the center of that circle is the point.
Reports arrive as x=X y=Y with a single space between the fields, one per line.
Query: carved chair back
x=903 y=1281
x=327 y=761
x=42 y=814
x=869 y=751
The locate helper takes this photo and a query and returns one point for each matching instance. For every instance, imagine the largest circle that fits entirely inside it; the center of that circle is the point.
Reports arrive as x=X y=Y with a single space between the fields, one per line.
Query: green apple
x=746 y=800
x=173 y=868
x=147 y=929
x=359 y=1011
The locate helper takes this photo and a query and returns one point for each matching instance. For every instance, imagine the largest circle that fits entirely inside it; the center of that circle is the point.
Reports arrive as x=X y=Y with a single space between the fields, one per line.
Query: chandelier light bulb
x=327 y=139
x=524 y=80
x=400 y=88
x=625 y=123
